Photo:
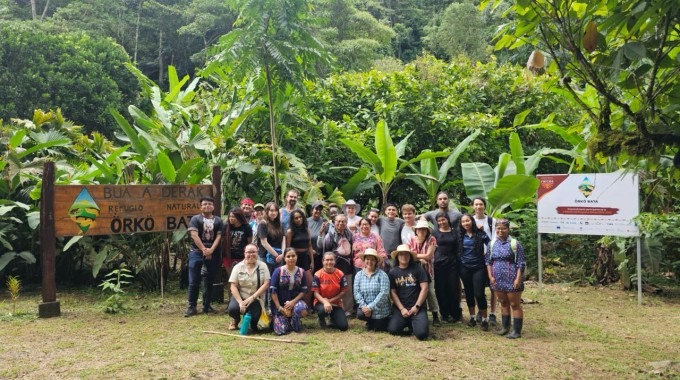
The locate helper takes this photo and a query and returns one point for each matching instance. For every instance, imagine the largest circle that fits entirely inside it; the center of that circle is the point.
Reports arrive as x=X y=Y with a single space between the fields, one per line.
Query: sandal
x=232 y=326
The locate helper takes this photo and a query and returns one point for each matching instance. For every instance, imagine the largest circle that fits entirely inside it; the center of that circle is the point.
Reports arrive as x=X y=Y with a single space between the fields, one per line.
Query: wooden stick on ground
x=257 y=337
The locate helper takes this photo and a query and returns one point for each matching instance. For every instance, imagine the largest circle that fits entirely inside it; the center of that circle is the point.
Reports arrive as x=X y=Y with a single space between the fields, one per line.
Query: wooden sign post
x=88 y=210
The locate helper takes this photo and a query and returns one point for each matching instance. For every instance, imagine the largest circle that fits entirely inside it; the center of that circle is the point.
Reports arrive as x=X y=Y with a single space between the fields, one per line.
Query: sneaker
x=322 y=322
x=472 y=322
x=492 y=320
x=436 y=321
x=485 y=326
x=190 y=311
x=478 y=318
x=208 y=310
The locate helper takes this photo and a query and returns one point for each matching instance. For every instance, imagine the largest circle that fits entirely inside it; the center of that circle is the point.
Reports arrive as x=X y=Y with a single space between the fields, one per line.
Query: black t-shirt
x=207 y=228
x=447 y=247
x=239 y=239
x=407 y=283
x=262 y=233
x=300 y=238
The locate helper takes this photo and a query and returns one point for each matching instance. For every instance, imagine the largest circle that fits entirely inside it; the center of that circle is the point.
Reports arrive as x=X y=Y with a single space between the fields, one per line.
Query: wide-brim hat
x=351 y=203
x=258 y=206
x=403 y=248
x=371 y=252
x=422 y=224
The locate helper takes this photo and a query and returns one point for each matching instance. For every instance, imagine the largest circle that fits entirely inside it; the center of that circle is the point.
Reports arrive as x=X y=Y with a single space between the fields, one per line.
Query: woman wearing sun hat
x=372 y=292
x=352 y=209
x=408 y=290
x=424 y=245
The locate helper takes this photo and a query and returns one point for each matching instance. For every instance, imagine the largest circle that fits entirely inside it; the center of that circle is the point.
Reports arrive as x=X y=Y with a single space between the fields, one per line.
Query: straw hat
x=351 y=203
x=422 y=224
x=371 y=252
x=403 y=248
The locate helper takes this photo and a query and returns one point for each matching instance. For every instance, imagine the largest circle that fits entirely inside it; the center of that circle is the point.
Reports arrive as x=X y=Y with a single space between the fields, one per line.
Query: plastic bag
x=265 y=320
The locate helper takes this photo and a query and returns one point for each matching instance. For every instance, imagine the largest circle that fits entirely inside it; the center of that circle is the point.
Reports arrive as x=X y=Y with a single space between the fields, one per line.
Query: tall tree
x=271 y=43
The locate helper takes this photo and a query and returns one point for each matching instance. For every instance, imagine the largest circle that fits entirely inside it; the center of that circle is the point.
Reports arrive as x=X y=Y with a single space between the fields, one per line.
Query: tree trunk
x=33 y=12
x=47 y=5
x=604 y=269
x=272 y=131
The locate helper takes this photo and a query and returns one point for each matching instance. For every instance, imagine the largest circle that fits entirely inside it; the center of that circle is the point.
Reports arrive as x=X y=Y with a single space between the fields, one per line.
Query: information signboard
x=588 y=204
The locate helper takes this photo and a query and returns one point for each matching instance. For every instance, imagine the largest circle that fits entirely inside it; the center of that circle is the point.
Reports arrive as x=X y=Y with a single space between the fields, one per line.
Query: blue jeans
x=196 y=263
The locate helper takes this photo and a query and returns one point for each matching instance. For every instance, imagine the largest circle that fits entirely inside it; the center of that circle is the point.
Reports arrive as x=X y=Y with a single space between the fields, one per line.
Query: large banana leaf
x=365 y=154
x=478 y=178
x=511 y=188
x=517 y=153
x=384 y=147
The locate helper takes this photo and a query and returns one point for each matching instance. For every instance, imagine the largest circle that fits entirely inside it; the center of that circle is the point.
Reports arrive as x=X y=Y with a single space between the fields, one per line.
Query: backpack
x=513 y=247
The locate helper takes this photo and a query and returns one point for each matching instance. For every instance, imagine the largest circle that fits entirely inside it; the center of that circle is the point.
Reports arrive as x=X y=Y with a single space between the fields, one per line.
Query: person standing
x=505 y=264
x=473 y=270
x=488 y=225
x=363 y=240
x=271 y=237
x=351 y=209
x=390 y=229
x=248 y=281
x=408 y=290
x=443 y=206
x=424 y=245
x=408 y=212
x=297 y=237
x=372 y=216
x=247 y=208
x=258 y=211
x=237 y=234
x=205 y=230
x=315 y=223
x=329 y=286
x=446 y=270
x=291 y=204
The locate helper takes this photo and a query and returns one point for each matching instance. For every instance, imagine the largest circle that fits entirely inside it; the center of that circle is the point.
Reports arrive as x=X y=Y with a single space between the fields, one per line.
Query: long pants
x=447 y=289
x=432 y=303
x=373 y=324
x=474 y=282
x=348 y=298
x=418 y=323
x=198 y=276
x=338 y=318
x=234 y=311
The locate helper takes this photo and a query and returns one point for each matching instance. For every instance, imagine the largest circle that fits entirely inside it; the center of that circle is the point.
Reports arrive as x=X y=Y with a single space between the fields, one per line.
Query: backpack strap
x=513 y=247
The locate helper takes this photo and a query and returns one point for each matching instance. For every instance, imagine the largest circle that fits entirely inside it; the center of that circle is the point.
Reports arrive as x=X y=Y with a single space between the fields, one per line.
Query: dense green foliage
x=81 y=75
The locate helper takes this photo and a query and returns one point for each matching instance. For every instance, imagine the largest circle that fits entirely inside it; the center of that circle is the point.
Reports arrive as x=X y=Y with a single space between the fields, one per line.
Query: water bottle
x=245 y=324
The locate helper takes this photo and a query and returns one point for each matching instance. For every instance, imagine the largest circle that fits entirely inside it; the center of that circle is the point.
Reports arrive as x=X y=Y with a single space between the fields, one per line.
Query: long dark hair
x=238 y=214
x=300 y=228
x=477 y=235
x=274 y=229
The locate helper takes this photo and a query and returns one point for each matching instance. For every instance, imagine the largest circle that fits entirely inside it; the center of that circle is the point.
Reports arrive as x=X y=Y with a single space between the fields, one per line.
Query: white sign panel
x=588 y=204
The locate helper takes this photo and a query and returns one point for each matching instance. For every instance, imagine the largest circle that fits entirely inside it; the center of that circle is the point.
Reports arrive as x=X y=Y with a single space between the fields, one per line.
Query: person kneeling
x=408 y=289
x=372 y=292
x=288 y=287
x=248 y=281
x=329 y=285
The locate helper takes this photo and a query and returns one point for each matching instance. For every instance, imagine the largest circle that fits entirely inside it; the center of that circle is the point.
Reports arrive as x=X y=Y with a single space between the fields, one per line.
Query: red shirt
x=329 y=285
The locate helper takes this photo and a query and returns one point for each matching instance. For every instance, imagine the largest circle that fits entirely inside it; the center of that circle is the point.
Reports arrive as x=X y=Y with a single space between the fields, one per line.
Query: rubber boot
x=435 y=319
x=505 y=325
x=516 y=328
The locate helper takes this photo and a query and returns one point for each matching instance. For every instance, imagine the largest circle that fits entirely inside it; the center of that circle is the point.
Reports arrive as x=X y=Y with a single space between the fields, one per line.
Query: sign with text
x=123 y=209
x=588 y=204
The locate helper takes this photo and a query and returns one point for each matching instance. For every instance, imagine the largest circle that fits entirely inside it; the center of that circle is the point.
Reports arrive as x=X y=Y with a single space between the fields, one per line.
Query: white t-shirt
x=484 y=224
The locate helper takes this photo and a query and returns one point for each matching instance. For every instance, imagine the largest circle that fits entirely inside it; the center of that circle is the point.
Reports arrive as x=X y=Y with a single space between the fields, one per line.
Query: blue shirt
x=374 y=292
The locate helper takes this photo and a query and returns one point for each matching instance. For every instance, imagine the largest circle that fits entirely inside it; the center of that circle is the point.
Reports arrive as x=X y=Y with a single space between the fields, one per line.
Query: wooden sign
x=124 y=209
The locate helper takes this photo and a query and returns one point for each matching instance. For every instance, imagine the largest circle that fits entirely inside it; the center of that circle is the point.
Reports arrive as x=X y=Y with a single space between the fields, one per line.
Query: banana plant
x=433 y=176
x=384 y=167
x=509 y=184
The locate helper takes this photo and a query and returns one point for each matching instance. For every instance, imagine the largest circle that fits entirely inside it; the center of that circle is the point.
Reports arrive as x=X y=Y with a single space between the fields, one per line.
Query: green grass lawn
x=571 y=333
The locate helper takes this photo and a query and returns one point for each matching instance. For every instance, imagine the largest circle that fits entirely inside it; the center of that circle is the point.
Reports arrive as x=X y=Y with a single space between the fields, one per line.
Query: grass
x=572 y=333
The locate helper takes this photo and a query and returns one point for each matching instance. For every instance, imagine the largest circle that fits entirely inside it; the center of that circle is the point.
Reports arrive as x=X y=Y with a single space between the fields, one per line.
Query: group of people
x=382 y=269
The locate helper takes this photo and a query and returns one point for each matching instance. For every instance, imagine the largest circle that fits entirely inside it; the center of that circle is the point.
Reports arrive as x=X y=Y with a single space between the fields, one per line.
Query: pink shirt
x=360 y=243
x=421 y=249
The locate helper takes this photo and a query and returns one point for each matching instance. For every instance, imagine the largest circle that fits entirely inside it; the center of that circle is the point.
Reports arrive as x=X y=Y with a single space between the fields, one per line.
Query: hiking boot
x=472 y=322
x=435 y=320
x=516 y=328
x=485 y=326
x=190 y=311
x=492 y=320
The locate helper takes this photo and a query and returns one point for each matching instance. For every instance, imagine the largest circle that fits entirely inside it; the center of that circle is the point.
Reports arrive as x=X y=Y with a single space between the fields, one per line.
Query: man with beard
x=443 y=206
x=291 y=204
